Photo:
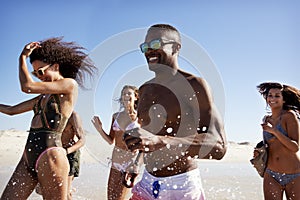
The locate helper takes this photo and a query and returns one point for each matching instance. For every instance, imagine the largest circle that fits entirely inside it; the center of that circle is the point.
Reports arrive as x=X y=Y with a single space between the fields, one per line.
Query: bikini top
x=267 y=136
x=132 y=125
x=50 y=115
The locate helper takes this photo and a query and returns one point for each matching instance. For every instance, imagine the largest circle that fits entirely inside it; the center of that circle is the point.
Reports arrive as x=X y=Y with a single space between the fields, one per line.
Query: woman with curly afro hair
x=281 y=131
x=61 y=67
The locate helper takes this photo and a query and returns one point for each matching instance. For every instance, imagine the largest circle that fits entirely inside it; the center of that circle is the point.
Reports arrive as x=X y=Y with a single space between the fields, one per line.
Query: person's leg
x=53 y=169
x=292 y=190
x=74 y=162
x=21 y=183
x=116 y=190
x=272 y=189
x=38 y=189
x=70 y=180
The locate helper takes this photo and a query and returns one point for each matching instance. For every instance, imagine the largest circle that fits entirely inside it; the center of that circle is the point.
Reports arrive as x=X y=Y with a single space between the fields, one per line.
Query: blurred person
x=125 y=119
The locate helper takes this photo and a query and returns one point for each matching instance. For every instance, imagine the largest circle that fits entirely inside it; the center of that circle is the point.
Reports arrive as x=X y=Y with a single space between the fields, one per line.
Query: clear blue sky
x=249 y=43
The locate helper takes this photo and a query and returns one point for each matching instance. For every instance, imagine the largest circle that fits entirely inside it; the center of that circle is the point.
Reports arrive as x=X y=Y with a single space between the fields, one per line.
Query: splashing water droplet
x=175 y=187
x=168 y=146
x=169 y=130
x=154 y=169
x=147 y=149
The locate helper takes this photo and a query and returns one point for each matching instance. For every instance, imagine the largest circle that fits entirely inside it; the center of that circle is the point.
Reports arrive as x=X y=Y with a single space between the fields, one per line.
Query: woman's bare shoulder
x=115 y=115
x=290 y=115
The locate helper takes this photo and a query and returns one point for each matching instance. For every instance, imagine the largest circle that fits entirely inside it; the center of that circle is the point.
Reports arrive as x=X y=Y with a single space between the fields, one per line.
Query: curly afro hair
x=73 y=61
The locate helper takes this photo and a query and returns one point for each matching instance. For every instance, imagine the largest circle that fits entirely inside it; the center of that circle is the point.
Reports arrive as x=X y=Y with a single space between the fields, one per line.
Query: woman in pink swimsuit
x=59 y=65
x=121 y=157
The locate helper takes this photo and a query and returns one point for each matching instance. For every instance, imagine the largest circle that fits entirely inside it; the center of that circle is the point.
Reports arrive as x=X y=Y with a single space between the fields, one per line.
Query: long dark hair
x=291 y=95
x=73 y=61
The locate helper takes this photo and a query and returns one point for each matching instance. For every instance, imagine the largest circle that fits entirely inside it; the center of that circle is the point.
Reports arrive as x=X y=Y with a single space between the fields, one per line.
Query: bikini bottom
x=40 y=141
x=282 y=179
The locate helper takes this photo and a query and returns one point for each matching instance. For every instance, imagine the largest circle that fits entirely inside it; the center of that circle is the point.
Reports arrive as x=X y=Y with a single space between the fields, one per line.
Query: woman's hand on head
x=29 y=48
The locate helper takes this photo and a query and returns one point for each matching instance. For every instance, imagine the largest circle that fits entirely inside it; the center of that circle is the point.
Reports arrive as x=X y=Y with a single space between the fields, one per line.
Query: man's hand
x=142 y=140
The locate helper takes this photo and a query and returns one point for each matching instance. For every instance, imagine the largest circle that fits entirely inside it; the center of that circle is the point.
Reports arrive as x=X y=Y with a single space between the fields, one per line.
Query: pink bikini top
x=132 y=125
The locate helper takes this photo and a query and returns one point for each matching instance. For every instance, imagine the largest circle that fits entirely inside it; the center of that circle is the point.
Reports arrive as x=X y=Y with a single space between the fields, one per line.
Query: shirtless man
x=179 y=123
x=73 y=139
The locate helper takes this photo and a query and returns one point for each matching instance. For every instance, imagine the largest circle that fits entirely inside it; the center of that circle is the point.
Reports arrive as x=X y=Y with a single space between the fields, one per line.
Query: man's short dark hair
x=167 y=27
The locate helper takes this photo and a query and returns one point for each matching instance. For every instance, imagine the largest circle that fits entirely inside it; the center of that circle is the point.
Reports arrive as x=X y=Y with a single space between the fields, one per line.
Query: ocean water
x=230 y=181
x=221 y=181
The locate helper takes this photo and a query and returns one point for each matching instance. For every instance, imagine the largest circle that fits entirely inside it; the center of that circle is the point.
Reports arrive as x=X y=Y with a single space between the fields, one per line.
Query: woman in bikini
x=60 y=66
x=121 y=157
x=281 y=131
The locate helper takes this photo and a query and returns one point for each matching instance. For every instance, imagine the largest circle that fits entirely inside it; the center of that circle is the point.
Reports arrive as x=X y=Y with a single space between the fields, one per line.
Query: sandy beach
x=231 y=178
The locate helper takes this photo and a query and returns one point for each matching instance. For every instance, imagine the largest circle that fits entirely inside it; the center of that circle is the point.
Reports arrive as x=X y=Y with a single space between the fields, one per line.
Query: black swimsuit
x=49 y=135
